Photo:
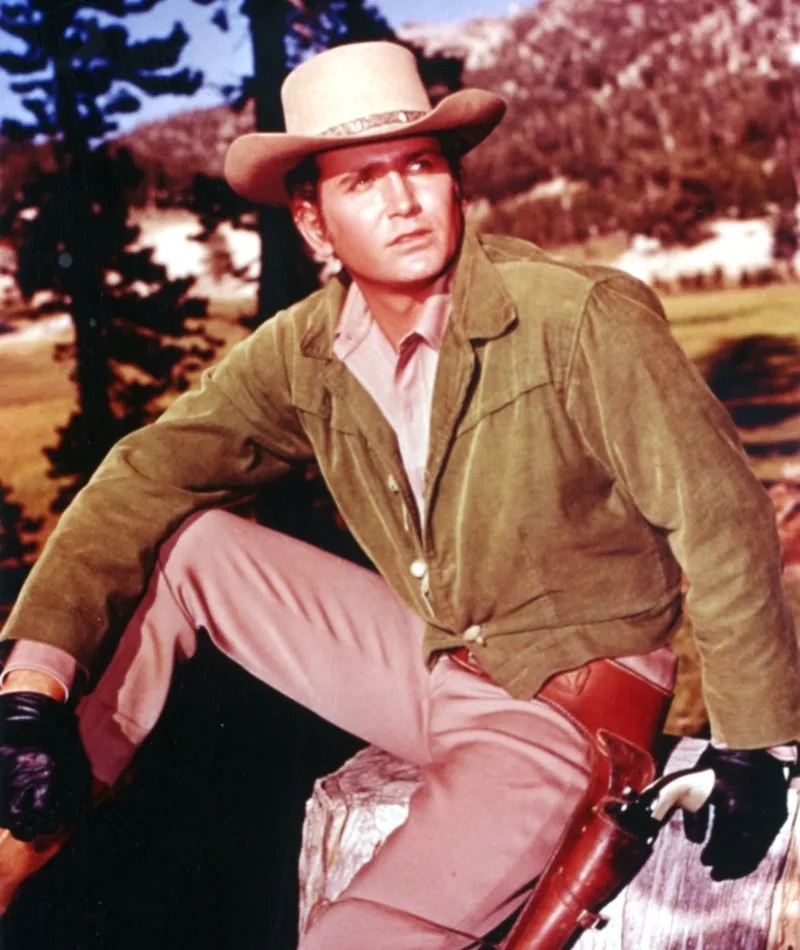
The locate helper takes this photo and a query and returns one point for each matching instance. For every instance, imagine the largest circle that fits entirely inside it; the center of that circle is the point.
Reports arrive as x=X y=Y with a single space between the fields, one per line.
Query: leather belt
x=600 y=695
x=463 y=658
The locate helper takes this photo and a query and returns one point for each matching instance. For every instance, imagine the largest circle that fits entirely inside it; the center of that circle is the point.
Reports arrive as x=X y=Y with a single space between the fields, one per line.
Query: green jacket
x=577 y=465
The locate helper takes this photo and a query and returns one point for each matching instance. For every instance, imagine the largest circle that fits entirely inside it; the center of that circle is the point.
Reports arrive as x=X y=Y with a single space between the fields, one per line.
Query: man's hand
x=749 y=808
x=44 y=772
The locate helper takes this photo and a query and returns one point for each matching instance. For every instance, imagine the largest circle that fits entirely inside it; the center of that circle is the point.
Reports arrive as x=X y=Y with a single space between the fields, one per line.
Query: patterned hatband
x=374 y=121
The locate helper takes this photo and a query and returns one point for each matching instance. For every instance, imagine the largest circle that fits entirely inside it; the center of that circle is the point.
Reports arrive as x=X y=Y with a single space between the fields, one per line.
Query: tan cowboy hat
x=349 y=95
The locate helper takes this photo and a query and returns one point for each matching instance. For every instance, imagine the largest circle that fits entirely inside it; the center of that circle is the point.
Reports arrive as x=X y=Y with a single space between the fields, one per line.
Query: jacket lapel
x=352 y=401
x=369 y=419
x=481 y=311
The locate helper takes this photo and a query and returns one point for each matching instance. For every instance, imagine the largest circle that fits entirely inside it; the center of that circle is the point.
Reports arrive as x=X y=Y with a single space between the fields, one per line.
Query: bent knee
x=215 y=537
x=204 y=534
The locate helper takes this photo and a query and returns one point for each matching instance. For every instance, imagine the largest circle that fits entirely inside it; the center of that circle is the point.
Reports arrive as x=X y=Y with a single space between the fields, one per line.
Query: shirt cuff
x=785 y=753
x=44 y=658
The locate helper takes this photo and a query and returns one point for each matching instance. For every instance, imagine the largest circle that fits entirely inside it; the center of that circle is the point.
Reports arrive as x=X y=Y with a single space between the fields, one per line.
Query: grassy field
x=701 y=321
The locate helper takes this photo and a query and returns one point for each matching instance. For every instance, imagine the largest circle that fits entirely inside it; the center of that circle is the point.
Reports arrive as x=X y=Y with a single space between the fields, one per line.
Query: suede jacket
x=577 y=466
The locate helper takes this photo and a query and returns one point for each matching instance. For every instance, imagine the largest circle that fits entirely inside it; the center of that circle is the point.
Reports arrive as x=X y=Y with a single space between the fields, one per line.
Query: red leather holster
x=621 y=714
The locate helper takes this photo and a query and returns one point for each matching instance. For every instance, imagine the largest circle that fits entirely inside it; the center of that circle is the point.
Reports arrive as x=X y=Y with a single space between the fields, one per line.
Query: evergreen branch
x=38 y=109
x=183 y=82
x=18 y=131
x=122 y=102
x=121 y=8
x=156 y=54
x=22 y=88
x=18 y=64
x=17 y=19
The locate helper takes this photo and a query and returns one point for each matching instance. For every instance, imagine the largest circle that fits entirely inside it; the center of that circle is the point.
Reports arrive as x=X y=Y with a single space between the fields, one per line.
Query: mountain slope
x=641 y=111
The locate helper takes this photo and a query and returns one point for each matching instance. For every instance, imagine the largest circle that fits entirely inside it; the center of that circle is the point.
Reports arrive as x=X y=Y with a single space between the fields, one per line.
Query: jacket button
x=474 y=634
x=391 y=484
x=418 y=569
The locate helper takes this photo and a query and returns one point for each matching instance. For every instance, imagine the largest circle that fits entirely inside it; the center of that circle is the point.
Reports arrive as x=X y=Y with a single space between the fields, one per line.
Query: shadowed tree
x=151 y=336
x=786 y=241
x=18 y=546
x=757 y=378
x=315 y=25
x=286 y=274
x=76 y=70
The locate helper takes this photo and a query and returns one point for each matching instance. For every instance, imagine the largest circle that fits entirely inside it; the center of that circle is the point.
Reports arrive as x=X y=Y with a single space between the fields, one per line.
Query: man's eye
x=421 y=165
x=361 y=183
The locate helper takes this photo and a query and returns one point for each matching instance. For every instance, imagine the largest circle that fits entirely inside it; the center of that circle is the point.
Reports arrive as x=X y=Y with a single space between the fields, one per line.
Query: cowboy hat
x=349 y=95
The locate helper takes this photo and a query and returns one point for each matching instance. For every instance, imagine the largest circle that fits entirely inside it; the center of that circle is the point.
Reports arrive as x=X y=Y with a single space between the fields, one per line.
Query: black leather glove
x=749 y=805
x=44 y=772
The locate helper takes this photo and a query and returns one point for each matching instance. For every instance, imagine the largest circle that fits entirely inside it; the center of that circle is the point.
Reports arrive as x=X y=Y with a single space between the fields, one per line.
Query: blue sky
x=224 y=58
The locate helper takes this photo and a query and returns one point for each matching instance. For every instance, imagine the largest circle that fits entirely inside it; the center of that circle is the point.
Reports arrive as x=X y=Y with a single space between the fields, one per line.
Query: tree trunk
x=286 y=273
x=89 y=317
x=82 y=278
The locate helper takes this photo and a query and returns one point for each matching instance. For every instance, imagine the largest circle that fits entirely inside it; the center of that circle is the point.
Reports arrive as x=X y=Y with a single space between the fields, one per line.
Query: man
x=522 y=450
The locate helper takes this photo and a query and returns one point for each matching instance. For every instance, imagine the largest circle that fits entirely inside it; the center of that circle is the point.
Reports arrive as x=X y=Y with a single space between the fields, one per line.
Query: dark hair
x=453 y=149
x=301 y=182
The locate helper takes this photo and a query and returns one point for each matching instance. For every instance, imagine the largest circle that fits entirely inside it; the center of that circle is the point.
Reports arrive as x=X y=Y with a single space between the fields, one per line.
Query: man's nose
x=399 y=195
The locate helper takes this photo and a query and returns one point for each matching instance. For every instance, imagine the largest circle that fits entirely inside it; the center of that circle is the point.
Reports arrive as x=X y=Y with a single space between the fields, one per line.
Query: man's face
x=390 y=211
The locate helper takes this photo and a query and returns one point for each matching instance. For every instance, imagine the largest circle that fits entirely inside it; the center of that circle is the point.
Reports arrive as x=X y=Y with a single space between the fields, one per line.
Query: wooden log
x=671 y=905
x=784 y=931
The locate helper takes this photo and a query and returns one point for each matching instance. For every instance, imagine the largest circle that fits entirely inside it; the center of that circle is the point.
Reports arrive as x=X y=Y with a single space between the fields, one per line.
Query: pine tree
x=286 y=274
x=17 y=546
x=78 y=72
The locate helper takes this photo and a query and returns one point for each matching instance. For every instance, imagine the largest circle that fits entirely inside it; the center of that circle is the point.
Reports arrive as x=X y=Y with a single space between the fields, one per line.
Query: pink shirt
x=401 y=381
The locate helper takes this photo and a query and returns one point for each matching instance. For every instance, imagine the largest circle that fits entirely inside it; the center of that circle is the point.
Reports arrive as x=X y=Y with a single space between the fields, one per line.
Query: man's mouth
x=411 y=237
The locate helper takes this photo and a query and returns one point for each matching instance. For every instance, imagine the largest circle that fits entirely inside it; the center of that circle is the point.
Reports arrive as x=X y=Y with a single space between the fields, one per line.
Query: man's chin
x=418 y=278
x=414 y=286
x=402 y=283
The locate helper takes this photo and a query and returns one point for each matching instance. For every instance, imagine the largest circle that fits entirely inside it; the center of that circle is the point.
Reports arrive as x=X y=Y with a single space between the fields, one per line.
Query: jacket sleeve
x=645 y=412
x=212 y=447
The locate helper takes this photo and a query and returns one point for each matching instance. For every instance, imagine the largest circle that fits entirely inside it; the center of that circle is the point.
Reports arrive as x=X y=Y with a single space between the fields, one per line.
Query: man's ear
x=308 y=221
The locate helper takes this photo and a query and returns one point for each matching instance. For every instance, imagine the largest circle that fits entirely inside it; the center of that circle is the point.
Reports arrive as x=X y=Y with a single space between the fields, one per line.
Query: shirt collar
x=433 y=317
x=355 y=319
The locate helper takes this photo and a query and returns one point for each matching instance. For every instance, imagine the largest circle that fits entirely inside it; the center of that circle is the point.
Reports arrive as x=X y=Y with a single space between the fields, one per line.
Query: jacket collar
x=318 y=339
x=482 y=310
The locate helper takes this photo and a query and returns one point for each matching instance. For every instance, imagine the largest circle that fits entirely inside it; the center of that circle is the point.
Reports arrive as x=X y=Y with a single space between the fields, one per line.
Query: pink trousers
x=501 y=776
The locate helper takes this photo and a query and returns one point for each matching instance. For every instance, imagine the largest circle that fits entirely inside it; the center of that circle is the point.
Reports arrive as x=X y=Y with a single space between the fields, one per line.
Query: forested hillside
x=652 y=115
